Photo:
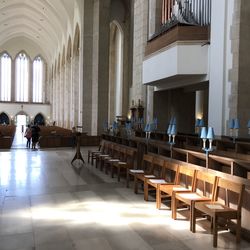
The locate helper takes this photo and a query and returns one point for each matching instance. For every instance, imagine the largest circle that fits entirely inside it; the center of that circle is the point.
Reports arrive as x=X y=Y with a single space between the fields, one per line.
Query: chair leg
x=135 y=185
x=215 y=231
x=238 y=229
x=127 y=178
x=118 y=173
x=145 y=190
x=173 y=206
x=158 y=197
x=89 y=153
x=193 y=219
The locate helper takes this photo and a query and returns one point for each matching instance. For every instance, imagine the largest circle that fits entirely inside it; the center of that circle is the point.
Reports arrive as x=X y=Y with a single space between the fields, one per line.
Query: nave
x=46 y=205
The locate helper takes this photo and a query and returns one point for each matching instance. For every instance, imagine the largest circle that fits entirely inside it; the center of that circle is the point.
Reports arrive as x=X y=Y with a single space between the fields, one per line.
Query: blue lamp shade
x=231 y=123
x=173 y=130
x=197 y=122
x=153 y=126
x=171 y=120
x=236 y=123
x=201 y=123
x=248 y=124
x=169 y=129
x=150 y=127
x=210 y=133
x=147 y=128
x=155 y=120
x=174 y=121
x=203 y=133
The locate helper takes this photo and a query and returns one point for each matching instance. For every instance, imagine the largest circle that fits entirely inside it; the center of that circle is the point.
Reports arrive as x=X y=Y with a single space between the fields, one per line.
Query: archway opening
x=21 y=122
x=115 y=72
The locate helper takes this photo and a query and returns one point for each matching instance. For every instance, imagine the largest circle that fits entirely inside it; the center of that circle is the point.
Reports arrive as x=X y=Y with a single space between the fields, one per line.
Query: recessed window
x=38 y=73
x=5 y=84
x=22 y=78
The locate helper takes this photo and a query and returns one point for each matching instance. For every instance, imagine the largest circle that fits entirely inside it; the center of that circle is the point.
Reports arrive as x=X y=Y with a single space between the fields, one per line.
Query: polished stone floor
x=45 y=205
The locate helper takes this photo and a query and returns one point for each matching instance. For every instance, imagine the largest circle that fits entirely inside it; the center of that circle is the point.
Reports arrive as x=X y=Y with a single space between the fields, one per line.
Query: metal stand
x=78 y=155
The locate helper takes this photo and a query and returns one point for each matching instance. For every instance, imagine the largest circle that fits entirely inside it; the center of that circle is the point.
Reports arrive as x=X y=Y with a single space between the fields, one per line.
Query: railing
x=190 y=12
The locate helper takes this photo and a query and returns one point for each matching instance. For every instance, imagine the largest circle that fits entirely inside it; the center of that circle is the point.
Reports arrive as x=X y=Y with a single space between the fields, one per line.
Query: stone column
x=100 y=64
x=199 y=104
x=138 y=90
x=243 y=100
x=86 y=58
x=13 y=80
x=150 y=104
x=30 y=84
x=220 y=64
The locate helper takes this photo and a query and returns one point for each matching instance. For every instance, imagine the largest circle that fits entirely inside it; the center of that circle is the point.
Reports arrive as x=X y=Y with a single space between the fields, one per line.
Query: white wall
x=11 y=109
x=177 y=59
x=220 y=63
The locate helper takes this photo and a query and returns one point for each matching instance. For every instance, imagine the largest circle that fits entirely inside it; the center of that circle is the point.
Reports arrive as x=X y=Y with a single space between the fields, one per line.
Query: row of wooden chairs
x=201 y=191
x=113 y=158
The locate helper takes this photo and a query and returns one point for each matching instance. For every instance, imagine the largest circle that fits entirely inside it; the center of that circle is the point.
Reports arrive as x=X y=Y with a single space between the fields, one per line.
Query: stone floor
x=45 y=205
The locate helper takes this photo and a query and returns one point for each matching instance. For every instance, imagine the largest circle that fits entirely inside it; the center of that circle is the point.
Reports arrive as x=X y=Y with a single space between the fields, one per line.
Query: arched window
x=38 y=73
x=5 y=84
x=22 y=78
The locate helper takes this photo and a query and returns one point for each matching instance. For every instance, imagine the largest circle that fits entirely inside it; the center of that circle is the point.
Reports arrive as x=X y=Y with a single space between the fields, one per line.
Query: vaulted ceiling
x=44 y=22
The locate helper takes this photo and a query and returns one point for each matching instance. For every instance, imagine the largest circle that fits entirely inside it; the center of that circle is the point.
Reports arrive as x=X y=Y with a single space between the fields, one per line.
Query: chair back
x=158 y=167
x=130 y=157
x=205 y=183
x=186 y=176
x=147 y=163
x=171 y=172
x=232 y=192
x=116 y=151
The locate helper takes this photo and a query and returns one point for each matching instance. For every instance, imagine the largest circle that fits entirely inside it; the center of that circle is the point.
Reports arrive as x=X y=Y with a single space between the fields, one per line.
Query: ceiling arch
x=44 y=22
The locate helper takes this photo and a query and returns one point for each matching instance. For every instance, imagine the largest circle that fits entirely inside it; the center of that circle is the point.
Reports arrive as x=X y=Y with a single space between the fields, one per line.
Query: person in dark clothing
x=28 y=135
x=35 y=135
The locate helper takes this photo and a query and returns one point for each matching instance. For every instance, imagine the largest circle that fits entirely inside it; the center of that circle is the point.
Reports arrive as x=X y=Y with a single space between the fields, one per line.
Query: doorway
x=21 y=124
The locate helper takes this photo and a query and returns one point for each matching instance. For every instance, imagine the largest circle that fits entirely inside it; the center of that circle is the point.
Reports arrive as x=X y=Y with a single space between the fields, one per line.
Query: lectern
x=78 y=155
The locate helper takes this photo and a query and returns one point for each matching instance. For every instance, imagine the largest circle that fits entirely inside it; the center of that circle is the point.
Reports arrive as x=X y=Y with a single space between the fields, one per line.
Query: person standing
x=35 y=135
x=28 y=135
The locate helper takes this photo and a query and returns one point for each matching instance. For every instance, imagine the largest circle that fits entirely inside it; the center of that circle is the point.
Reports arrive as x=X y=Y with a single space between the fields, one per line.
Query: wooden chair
x=204 y=190
x=159 y=176
x=122 y=159
x=145 y=168
x=92 y=153
x=222 y=213
x=107 y=151
x=128 y=162
x=156 y=171
x=114 y=158
x=184 y=181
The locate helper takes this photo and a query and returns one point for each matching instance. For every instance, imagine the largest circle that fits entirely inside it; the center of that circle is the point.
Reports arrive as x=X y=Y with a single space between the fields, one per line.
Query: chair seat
x=191 y=196
x=157 y=181
x=136 y=171
x=114 y=160
x=214 y=207
x=149 y=176
x=103 y=155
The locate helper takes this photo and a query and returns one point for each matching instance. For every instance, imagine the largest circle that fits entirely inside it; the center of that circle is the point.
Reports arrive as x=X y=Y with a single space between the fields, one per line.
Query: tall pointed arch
x=68 y=85
x=38 y=79
x=22 y=62
x=115 y=70
x=76 y=45
x=76 y=103
x=5 y=78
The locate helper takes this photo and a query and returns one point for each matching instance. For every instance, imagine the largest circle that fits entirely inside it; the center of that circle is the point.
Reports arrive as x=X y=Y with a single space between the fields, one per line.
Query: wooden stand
x=78 y=155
